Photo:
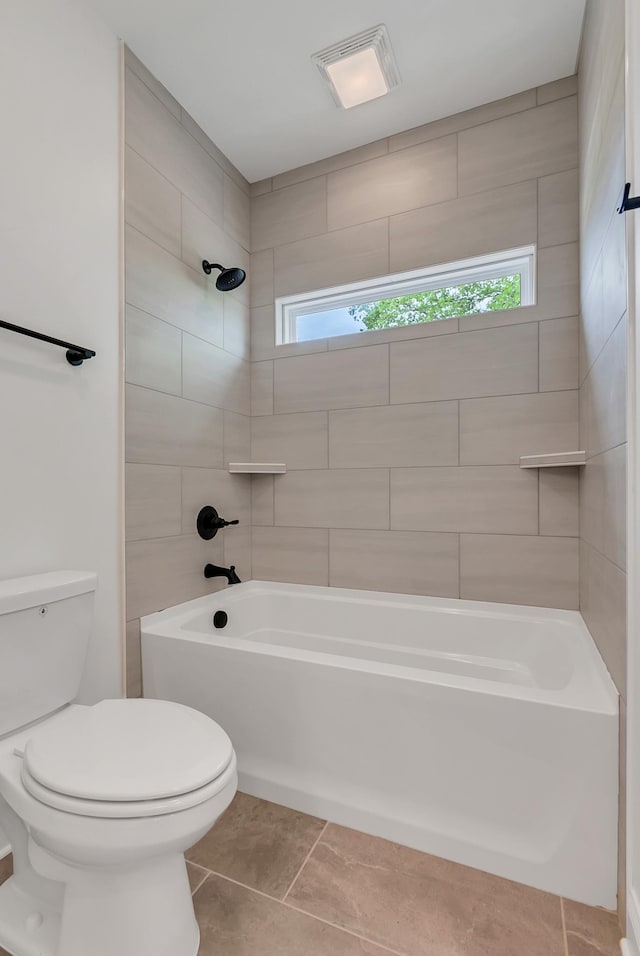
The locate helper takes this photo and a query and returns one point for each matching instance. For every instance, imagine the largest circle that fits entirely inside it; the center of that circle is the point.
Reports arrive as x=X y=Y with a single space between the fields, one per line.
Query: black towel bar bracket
x=627 y=201
x=76 y=354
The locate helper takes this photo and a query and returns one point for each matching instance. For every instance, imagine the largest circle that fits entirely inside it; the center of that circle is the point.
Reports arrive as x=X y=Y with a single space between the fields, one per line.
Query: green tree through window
x=490 y=295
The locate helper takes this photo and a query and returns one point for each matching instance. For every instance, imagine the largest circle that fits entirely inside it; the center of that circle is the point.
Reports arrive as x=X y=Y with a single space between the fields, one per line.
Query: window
x=503 y=280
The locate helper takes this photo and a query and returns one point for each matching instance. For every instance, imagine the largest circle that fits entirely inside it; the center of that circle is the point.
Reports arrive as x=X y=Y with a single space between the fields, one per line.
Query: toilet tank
x=45 y=624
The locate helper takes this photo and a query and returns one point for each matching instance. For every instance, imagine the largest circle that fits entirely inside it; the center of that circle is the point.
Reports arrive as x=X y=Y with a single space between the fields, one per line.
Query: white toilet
x=99 y=803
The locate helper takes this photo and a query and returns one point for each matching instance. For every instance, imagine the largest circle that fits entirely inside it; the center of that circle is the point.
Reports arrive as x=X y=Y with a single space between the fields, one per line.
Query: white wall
x=60 y=427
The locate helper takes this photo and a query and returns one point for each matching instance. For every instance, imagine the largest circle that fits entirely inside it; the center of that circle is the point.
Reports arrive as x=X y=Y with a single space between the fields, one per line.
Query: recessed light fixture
x=360 y=68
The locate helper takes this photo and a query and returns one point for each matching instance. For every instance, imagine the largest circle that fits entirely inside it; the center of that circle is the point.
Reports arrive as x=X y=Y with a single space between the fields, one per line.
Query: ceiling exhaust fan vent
x=360 y=68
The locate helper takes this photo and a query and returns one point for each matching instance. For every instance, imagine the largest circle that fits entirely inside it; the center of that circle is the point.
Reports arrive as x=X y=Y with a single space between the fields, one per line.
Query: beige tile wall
x=403 y=446
x=603 y=348
x=188 y=396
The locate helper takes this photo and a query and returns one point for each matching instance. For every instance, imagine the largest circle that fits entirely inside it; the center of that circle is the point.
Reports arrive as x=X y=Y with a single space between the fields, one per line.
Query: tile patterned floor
x=268 y=881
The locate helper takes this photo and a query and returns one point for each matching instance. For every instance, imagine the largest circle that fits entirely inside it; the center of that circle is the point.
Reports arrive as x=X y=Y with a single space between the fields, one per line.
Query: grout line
x=428 y=401
x=343 y=929
x=420 y=142
x=564 y=928
x=207 y=874
x=305 y=861
x=296 y=909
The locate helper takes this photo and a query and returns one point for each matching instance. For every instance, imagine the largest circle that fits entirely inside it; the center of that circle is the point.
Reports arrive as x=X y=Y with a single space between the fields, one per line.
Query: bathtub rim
x=166 y=623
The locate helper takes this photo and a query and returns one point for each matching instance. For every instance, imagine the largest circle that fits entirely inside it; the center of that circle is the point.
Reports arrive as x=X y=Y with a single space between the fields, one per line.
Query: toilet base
x=144 y=910
x=28 y=927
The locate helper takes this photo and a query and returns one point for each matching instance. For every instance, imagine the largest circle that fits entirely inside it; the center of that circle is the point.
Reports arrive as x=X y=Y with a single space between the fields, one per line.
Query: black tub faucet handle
x=209 y=522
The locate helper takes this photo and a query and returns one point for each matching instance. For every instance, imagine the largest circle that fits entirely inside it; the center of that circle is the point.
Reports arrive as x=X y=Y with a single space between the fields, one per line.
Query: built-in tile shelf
x=559 y=459
x=256 y=468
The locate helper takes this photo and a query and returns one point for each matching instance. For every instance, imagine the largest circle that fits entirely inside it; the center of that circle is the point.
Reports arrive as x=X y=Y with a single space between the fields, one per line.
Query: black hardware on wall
x=230 y=277
x=209 y=522
x=628 y=202
x=76 y=354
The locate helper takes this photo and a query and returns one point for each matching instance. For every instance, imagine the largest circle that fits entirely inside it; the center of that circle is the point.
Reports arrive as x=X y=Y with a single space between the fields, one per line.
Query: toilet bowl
x=99 y=804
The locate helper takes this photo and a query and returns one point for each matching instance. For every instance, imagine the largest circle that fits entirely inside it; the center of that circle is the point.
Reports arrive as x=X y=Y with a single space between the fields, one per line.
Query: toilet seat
x=127 y=758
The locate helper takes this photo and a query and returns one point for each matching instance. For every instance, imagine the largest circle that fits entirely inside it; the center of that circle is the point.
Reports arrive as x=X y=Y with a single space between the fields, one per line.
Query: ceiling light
x=360 y=68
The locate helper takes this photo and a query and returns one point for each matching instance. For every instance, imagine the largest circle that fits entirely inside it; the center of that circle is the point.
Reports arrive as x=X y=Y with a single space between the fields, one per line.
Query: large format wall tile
x=159 y=137
x=512 y=569
x=261 y=278
x=237 y=327
x=603 y=412
x=137 y=66
x=603 y=588
x=495 y=431
x=202 y=238
x=400 y=181
x=409 y=562
x=499 y=499
x=262 y=499
x=558 y=208
x=559 y=502
x=153 y=501
x=289 y=214
x=214 y=377
x=237 y=437
x=526 y=145
x=262 y=388
x=152 y=203
x=165 y=571
x=293 y=555
x=394 y=435
x=229 y=494
x=559 y=354
x=463 y=120
x=488 y=362
x=158 y=283
x=327 y=380
x=299 y=440
x=352 y=157
x=603 y=504
x=166 y=430
x=237 y=212
x=476 y=225
x=346 y=255
x=345 y=498
x=153 y=350
x=557 y=89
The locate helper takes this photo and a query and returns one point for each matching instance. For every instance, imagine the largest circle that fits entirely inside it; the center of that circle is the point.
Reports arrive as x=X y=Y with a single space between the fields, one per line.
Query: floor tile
x=235 y=921
x=591 y=931
x=197 y=875
x=421 y=905
x=258 y=843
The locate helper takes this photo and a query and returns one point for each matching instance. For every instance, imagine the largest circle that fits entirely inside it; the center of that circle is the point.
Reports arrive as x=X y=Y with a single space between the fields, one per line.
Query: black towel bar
x=76 y=354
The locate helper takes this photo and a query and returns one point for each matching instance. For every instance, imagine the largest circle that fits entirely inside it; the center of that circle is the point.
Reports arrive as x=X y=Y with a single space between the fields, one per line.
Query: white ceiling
x=242 y=68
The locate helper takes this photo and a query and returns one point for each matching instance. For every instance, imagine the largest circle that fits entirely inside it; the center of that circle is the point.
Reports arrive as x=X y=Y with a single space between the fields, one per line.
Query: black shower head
x=228 y=279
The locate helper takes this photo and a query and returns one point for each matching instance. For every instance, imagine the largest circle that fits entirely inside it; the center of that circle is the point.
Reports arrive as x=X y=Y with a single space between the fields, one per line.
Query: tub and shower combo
x=482 y=733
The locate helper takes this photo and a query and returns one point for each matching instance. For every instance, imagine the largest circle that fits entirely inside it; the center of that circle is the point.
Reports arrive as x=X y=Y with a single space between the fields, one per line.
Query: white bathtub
x=483 y=733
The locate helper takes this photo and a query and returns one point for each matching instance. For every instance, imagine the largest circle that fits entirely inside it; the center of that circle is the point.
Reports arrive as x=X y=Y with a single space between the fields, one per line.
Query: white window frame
x=520 y=261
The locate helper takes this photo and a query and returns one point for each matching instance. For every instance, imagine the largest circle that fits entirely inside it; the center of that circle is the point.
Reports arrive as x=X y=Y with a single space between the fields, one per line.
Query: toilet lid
x=128 y=750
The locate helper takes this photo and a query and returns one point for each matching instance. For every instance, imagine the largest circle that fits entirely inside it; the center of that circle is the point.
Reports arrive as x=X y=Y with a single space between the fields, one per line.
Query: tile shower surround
x=402 y=446
x=187 y=355
x=273 y=881
x=603 y=355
